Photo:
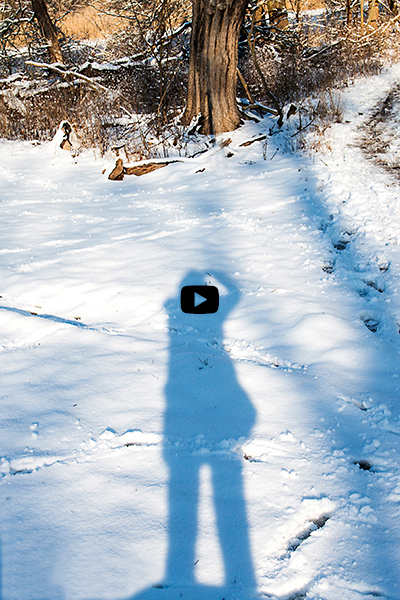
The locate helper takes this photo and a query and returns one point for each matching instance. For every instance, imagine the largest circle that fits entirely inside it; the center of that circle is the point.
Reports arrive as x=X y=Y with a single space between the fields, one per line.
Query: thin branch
x=385 y=6
x=377 y=31
x=324 y=49
x=92 y=84
x=111 y=14
x=305 y=127
x=245 y=86
x=258 y=69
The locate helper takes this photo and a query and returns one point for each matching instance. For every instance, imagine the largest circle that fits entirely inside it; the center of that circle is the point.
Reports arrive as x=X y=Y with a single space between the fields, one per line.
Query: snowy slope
x=109 y=445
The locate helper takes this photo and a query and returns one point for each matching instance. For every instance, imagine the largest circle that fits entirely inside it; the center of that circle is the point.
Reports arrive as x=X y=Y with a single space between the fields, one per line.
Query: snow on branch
x=69 y=74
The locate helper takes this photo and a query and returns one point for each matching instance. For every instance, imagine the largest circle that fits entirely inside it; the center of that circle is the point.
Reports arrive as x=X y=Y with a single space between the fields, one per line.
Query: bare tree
x=48 y=30
x=213 y=64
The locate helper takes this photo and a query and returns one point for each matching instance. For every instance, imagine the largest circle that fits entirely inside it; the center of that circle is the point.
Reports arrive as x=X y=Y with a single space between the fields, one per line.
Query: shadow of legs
x=232 y=520
x=182 y=526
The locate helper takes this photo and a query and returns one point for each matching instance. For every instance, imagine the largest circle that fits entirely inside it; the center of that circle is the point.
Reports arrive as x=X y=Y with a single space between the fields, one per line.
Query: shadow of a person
x=205 y=406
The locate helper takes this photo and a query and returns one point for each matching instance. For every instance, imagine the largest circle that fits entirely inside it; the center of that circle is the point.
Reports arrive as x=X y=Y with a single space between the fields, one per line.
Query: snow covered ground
x=148 y=453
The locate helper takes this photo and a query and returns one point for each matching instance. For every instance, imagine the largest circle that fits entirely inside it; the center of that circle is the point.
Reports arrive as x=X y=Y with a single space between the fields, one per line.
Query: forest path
x=380 y=133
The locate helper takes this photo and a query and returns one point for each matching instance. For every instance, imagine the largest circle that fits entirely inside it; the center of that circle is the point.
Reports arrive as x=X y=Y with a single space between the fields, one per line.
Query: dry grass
x=90 y=24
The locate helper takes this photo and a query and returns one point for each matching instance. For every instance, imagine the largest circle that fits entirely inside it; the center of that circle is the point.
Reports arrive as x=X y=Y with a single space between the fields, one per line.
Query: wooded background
x=144 y=74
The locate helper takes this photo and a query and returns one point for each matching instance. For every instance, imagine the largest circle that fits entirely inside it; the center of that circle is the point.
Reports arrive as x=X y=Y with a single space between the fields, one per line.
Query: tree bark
x=213 y=64
x=278 y=15
x=48 y=30
x=348 y=12
x=373 y=14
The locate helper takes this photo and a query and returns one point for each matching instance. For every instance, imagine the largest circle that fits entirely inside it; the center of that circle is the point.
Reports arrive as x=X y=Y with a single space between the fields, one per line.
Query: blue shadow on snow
x=205 y=406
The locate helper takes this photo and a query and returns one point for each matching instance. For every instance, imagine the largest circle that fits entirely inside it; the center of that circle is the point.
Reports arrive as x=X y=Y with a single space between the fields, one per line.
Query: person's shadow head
x=212 y=322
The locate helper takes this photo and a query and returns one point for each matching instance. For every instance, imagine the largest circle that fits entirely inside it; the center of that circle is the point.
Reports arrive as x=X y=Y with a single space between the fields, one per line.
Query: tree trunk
x=213 y=64
x=373 y=14
x=348 y=12
x=362 y=16
x=278 y=15
x=48 y=30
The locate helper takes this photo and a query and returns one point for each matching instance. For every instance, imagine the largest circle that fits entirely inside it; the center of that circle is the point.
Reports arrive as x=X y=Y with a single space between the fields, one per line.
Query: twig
x=260 y=108
x=384 y=6
x=258 y=69
x=167 y=87
x=305 y=126
x=92 y=84
x=324 y=49
x=245 y=86
x=111 y=14
x=377 y=31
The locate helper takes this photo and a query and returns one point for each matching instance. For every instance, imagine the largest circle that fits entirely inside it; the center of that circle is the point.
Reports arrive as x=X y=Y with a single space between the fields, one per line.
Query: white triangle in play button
x=198 y=299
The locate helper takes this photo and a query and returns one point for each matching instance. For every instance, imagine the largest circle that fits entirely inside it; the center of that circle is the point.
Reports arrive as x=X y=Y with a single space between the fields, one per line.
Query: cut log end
x=117 y=174
x=66 y=145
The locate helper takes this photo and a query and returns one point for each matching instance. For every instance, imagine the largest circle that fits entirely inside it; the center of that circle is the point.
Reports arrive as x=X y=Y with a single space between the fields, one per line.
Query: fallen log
x=143 y=169
x=119 y=171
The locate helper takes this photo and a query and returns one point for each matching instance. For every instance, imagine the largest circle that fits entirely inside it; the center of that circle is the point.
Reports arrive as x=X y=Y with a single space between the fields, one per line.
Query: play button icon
x=199 y=299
